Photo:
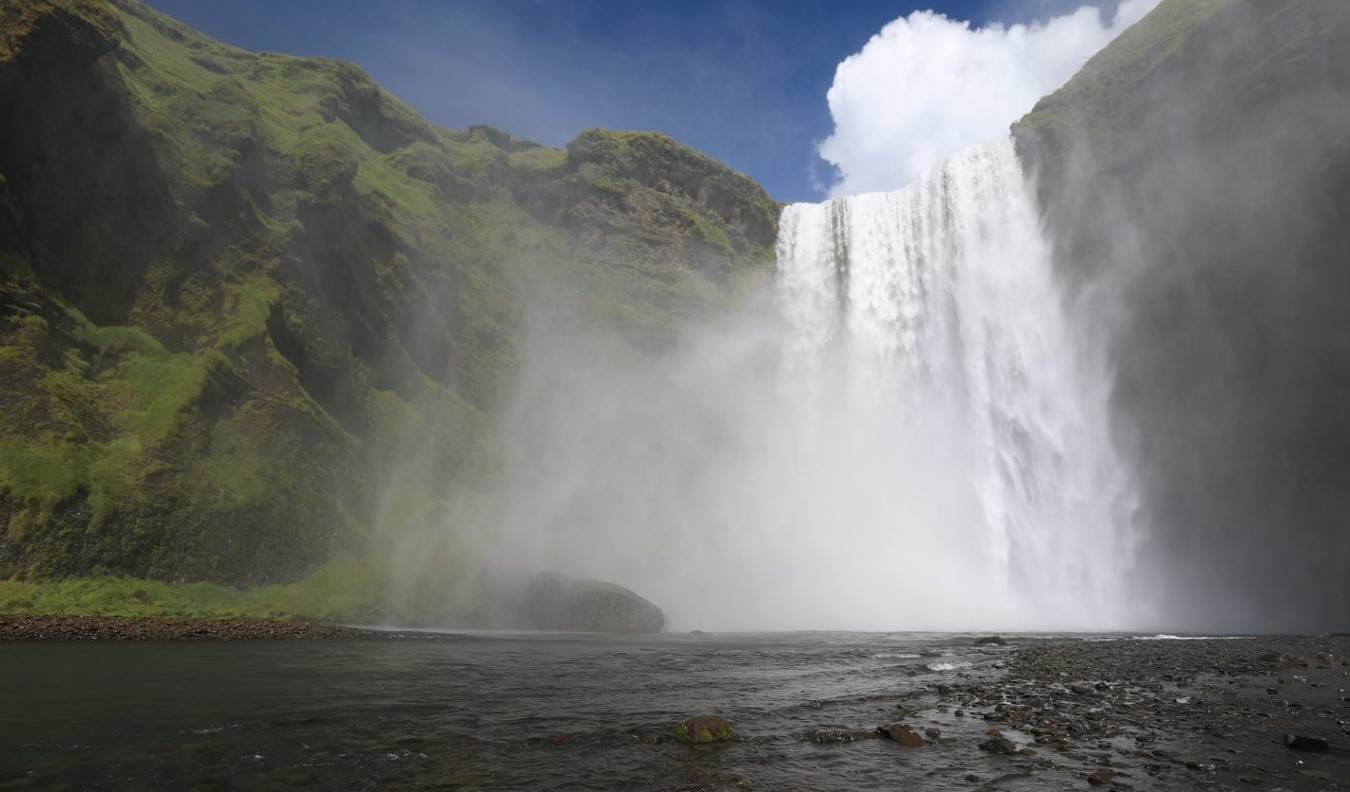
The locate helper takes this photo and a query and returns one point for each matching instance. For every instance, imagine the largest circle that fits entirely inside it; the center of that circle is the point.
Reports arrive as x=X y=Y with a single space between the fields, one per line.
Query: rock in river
x=901 y=734
x=1299 y=743
x=1101 y=777
x=554 y=601
x=704 y=729
x=999 y=745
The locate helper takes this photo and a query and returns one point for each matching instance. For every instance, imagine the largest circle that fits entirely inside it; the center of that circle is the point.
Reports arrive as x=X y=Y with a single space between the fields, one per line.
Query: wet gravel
x=102 y=628
x=1168 y=714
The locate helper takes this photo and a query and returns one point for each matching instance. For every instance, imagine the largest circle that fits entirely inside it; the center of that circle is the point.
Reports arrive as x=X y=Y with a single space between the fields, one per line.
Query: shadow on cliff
x=1196 y=181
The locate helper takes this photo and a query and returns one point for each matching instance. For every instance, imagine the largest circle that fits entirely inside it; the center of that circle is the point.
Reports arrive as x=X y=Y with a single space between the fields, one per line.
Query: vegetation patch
x=289 y=286
x=343 y=590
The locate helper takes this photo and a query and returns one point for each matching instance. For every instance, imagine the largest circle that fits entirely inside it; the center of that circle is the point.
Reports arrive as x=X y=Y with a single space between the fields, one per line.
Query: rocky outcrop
x=1195 y=176
x=554 y=601
x=233 y=286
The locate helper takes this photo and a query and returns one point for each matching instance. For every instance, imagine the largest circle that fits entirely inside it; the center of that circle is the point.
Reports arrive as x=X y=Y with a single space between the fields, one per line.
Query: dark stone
x=901 y=734
x=1299 y=743
x=704 y=729
x=1101 y=777
x=999 y=745
x=991 y=640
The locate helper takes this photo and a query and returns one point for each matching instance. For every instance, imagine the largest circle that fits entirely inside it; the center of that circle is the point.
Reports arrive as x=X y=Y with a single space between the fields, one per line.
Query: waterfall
x=932 y=313
x=906 y=434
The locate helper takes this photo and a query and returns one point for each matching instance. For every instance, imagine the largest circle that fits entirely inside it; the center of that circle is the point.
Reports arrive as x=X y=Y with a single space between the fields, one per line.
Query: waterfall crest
x=935 y=306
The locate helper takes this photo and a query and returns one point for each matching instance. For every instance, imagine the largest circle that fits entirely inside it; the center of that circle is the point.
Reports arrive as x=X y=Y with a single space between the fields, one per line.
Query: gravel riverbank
x=1243 y=713
x=131 y=628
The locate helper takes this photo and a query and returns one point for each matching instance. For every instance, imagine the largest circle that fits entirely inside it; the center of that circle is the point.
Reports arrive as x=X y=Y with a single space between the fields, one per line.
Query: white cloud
x=927 y=86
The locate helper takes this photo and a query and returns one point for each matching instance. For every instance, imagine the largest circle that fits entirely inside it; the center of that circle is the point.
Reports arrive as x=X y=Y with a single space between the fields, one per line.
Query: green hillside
x=235 y=287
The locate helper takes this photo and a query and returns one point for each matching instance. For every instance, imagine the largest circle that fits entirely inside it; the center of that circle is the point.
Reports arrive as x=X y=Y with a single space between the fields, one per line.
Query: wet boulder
x=1300 y=743
x=554 y=601
x=999 y=745
x=902 y=734
x=704 y=729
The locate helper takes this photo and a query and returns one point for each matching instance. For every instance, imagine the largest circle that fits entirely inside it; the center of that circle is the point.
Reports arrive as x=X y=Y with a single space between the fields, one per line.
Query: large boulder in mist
x=554 y=601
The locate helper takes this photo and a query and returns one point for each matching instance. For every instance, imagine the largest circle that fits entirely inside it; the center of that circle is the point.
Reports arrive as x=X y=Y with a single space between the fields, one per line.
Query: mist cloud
x=927 y=86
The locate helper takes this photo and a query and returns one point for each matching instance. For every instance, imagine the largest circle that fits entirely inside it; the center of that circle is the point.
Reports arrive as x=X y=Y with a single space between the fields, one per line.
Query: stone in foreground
x=704 y=729
x=1101 y=777
x=999 y=745
x=1300 y=743
x=902 y=734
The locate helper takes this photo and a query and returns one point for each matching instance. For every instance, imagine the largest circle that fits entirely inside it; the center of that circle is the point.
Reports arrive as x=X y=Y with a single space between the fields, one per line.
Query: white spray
x=909 y=438
x=938 y=302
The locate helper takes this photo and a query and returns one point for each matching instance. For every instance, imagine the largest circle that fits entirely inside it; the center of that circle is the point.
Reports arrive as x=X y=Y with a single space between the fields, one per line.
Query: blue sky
x=743 y=80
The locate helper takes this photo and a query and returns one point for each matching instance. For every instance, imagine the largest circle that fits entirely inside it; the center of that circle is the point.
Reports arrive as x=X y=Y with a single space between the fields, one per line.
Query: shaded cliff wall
x=1195 y=176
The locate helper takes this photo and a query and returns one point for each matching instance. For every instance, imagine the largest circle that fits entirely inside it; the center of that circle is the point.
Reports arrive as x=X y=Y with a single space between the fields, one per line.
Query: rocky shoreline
x=144 y=628
x=1023 y=715
x=1240 y=713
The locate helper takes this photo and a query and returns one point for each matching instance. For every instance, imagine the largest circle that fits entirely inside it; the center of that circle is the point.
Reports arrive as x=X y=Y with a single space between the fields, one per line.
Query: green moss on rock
x=235 y=286
x=703 y=730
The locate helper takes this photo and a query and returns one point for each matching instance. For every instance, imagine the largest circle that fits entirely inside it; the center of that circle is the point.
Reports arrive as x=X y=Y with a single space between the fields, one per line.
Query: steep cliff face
x=233 y=285
x=1196 y=178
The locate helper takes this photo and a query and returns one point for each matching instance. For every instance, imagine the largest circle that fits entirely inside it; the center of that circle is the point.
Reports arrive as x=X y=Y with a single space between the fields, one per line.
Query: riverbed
x=501 y=711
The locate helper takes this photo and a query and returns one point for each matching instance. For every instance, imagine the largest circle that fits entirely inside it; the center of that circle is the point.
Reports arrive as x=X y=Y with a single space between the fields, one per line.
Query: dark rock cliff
x=1196 y=178
x=233 y=285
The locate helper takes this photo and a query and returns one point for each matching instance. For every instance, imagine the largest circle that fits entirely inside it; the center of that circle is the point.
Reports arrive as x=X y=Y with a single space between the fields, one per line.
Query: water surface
x=490 y=712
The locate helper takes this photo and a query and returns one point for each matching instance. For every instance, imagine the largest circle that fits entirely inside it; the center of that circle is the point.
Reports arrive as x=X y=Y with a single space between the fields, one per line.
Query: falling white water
x=937 y=303
x=904 y=435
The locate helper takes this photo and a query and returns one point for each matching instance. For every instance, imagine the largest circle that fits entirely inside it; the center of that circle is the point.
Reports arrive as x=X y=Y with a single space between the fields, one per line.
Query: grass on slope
x=344 y=590
x=1112 y=77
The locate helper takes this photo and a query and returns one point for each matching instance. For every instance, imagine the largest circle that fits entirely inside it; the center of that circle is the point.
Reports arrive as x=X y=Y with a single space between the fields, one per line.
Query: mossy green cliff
x=233 y=286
